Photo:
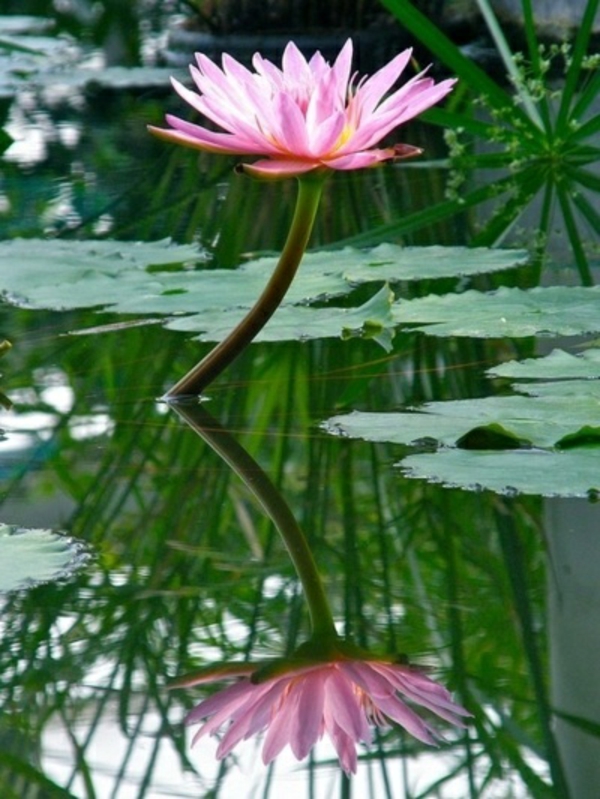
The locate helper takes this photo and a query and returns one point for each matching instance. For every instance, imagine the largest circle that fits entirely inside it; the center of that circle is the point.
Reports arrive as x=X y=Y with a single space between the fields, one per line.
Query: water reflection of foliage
x=178 y=582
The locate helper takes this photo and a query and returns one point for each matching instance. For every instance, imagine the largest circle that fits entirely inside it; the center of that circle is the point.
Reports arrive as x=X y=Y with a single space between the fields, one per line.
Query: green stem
x=274 y=505
x=307 y=202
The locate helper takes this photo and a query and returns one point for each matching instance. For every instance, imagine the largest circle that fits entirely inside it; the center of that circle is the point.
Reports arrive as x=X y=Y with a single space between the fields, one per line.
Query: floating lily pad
x=558 y=310
x=506 y=443
x=371 y=320
x=540 y=421
x=125 y=277
x=32 y=556
x=392 y=263
x=112 y=78
x=562 y=474
x=558 y=365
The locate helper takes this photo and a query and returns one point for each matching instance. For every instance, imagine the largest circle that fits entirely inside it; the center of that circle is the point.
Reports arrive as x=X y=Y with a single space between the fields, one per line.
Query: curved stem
x=274 y=505
x=307 y=202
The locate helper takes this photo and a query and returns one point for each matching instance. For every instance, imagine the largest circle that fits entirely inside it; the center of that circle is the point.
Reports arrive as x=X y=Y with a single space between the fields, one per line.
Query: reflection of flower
x=304 y=116
x=298 y=702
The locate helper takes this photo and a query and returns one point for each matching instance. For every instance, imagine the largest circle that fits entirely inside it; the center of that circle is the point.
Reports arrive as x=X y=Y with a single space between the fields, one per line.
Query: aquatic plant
x=304 y=121
x=535 y=131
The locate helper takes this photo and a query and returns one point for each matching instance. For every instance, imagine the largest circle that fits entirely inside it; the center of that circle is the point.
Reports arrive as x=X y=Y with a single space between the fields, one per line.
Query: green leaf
x=558 y=365
x=289 y=323
x=538 y=421
x=32 y=556
x=427 y=32
x=573 y=473
x=20 y=770
x=392 y=263
x=558 y=310
x=506 y=443
x=156 y=278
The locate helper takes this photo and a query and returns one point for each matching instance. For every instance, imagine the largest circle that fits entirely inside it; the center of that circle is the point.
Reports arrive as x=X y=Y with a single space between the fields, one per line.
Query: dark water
x=497 y=594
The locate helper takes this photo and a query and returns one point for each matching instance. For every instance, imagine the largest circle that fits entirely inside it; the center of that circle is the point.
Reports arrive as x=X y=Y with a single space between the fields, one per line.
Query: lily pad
x=159 y=278
x=540 y=421
x=574 y=473
x=32 y=556
x=558 y=365
x=392 y=263
x=513 y=312
x=373 y=320
x=506 y=443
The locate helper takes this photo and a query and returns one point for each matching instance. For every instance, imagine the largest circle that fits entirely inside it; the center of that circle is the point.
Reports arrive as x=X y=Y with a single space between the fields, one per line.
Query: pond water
x=176 y=565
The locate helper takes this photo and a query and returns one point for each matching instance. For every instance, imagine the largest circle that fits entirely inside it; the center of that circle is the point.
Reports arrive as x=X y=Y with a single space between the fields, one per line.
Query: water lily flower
x=298 y=703
x=306 y=116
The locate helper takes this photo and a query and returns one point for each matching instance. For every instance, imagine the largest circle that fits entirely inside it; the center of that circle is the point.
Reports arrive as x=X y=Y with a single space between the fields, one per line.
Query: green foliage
x=159 y=278
x=510 y=312
x=540 y=139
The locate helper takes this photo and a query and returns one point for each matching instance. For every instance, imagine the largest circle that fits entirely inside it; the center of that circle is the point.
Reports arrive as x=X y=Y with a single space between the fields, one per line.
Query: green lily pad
x=373 y=320
x=507 y=443
x=513 y=312
x=159 y=278
x=574 y=473
x=539 y=421
x=391 y=263
x=32 y=556
x=558 y=365
x=64 y=275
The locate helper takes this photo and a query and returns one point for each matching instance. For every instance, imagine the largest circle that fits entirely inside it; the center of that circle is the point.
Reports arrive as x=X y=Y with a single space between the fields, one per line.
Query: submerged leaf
x=490 y=437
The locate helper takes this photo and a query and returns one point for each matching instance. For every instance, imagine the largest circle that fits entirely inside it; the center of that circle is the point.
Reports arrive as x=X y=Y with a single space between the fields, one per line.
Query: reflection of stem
x=257 y=481
x=198 y=378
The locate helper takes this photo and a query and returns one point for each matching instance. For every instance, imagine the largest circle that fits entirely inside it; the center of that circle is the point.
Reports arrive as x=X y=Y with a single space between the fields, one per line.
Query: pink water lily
x=341 y=698
x=305 y=116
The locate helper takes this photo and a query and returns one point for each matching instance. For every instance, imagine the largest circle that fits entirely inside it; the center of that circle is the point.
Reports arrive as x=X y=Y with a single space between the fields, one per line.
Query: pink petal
x=276 y=169
x=344 y=707
x=309 y=712
x=425 y=692
x=221 y=706
x=253 y=720
x=341 y=69
x=366 y=677
x=280 y=730
x=288 y=126
x=369 y=94
x=382 y=123
x=345 y=748
x=178 y=137
x=360 y=160
x=294 y=65
x=267 y=70
x=395 y=709
x=323 y=137
x=243 y=143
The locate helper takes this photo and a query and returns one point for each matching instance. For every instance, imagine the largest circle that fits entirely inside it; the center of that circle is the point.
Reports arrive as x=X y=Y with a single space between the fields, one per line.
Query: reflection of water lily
x=304 y=116
x=298 y=703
